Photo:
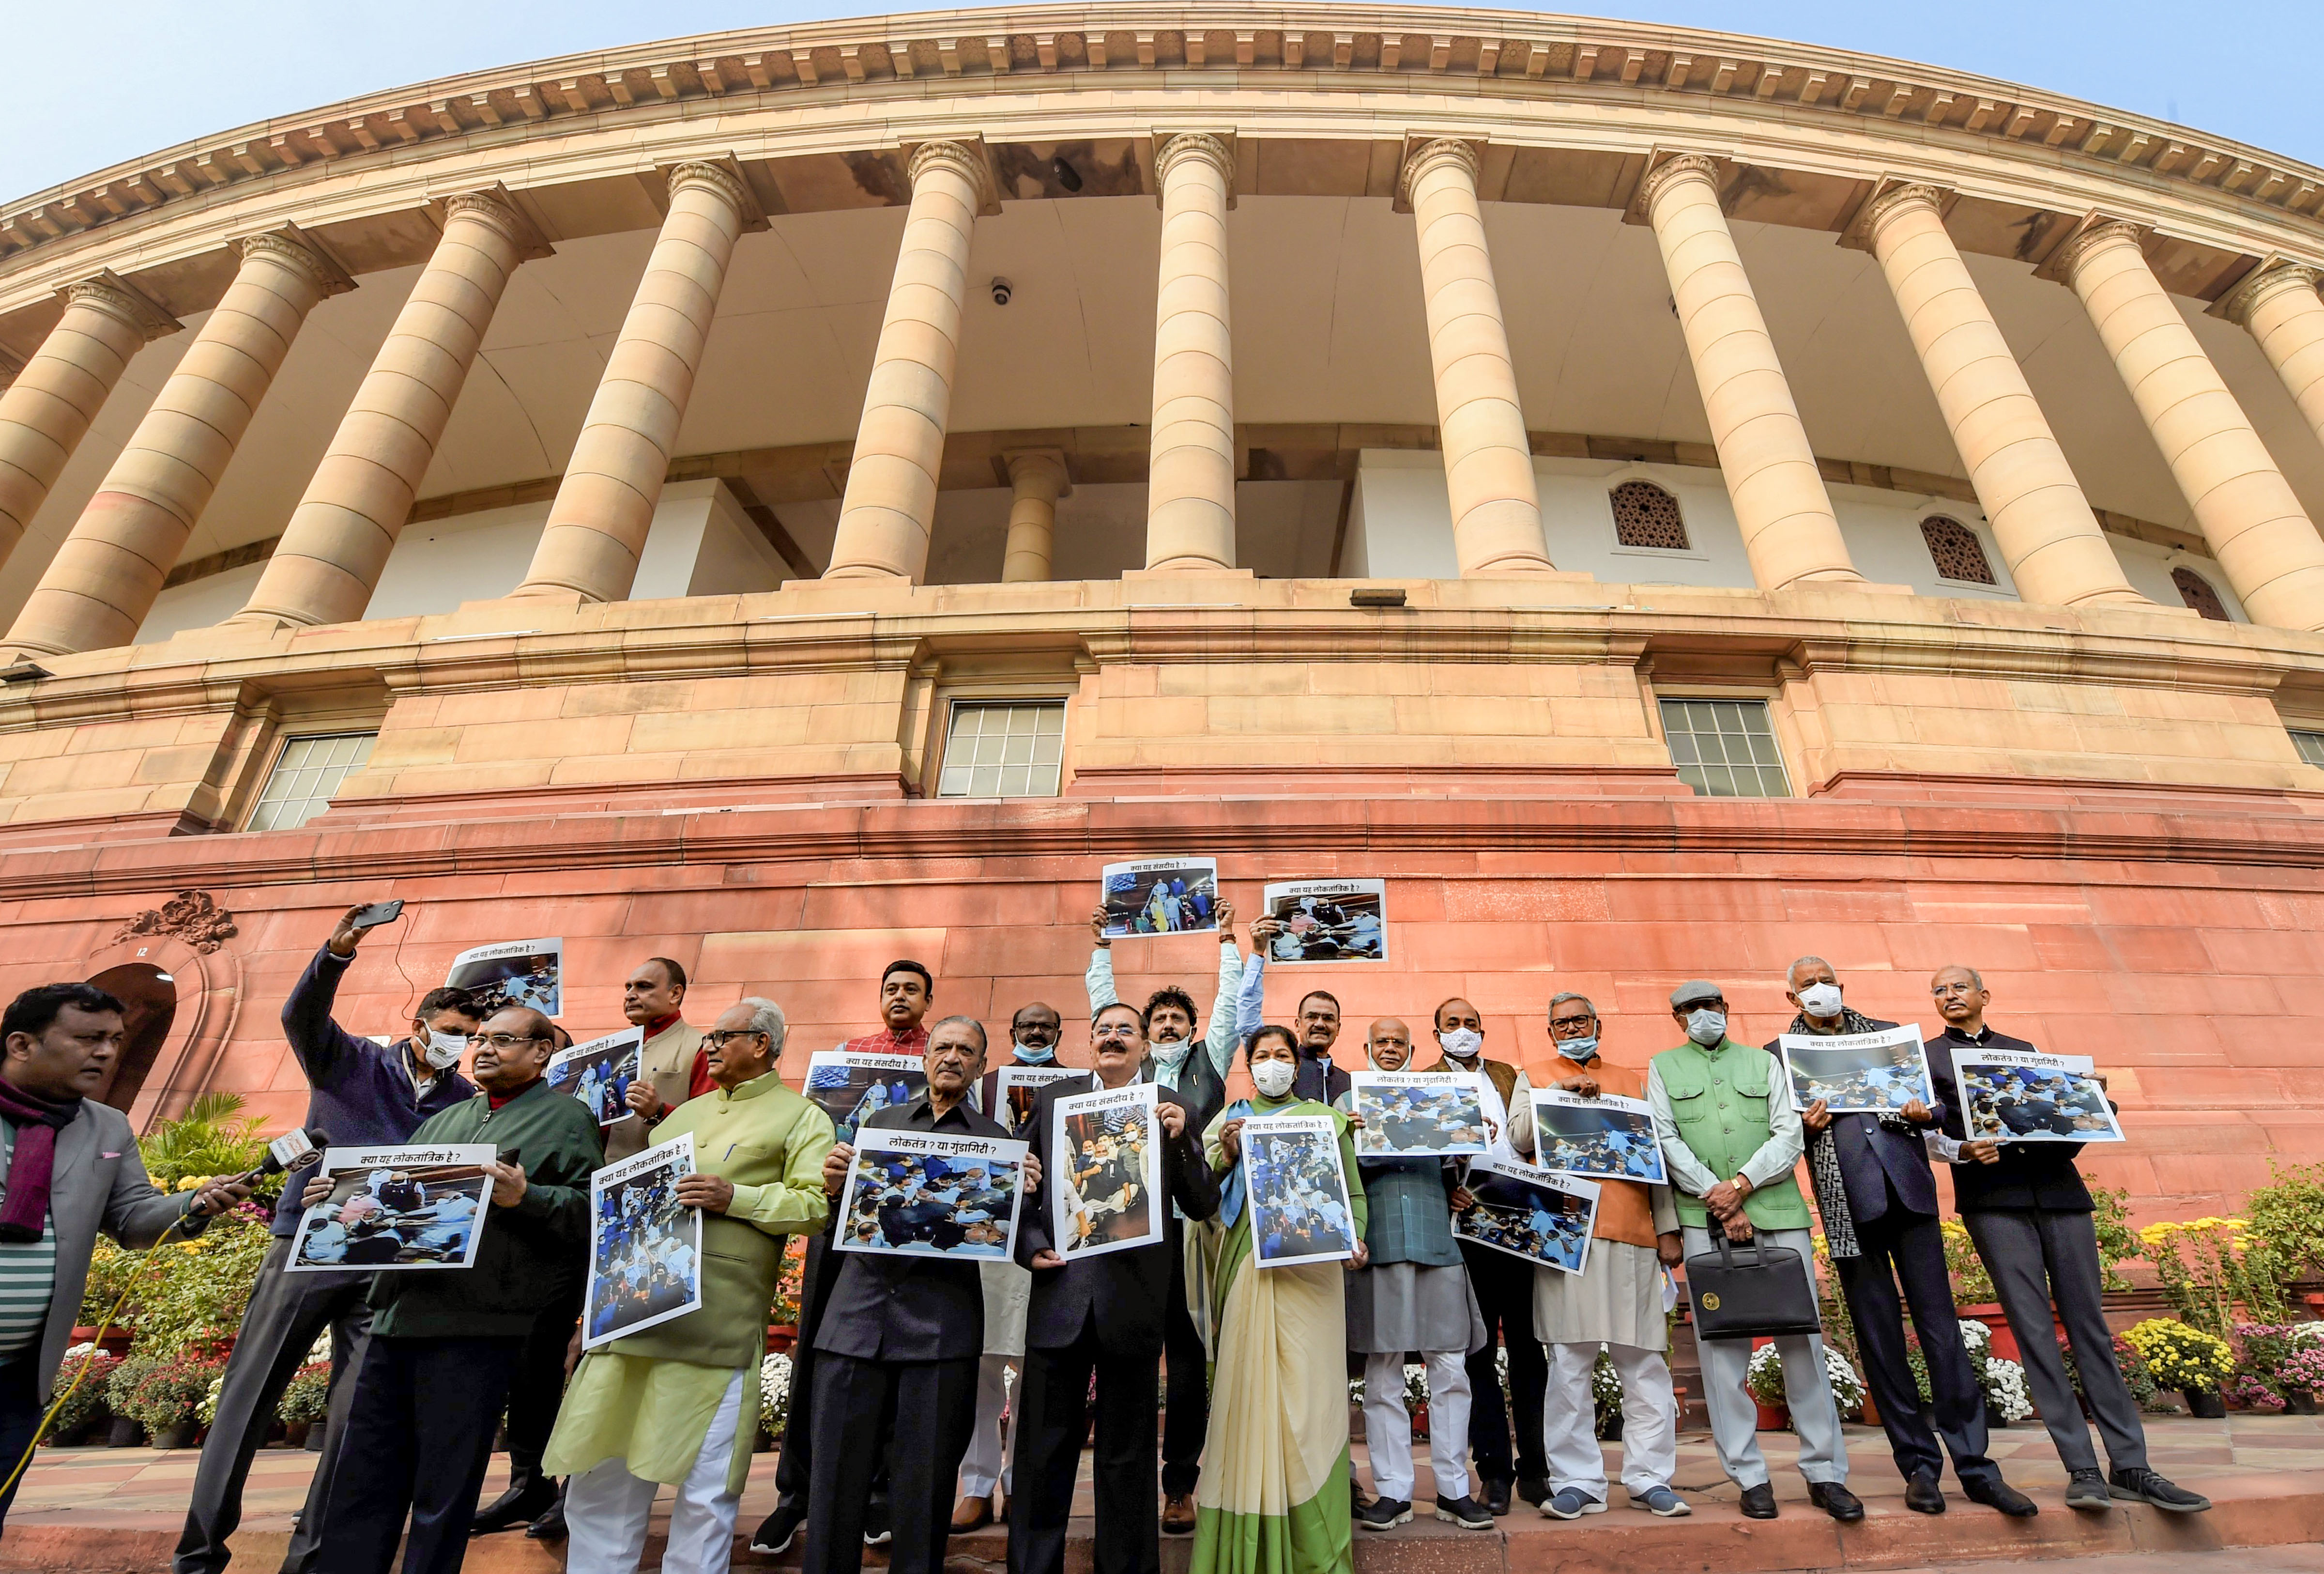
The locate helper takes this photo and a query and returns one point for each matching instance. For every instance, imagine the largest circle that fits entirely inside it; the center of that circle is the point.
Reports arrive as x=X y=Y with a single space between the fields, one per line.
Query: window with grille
x=1645 y=515
x=1725 y=748
x=2199 y=594
x=307 y=774
x=1956 y=552
x=2310 y=745
x=1003 y=749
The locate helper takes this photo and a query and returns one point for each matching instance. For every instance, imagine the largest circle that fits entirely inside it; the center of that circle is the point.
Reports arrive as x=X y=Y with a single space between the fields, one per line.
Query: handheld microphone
x=292 y=1151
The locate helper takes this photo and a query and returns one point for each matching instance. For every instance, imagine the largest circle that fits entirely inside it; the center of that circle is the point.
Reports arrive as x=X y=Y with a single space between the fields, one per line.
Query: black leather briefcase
x=1753 y=1291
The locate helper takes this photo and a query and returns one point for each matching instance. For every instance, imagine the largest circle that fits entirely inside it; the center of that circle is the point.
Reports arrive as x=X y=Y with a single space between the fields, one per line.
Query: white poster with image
x=645 y=1248
x=1153 y=896
x=510 y=973
x=2016 y=1096
x=401 y=1208
x=1872 y=1073
x=1328 y=920
x=1105 y=1185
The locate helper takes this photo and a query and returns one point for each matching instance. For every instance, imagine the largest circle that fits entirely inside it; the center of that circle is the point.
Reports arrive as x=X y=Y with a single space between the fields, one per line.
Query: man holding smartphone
x=359 y=1094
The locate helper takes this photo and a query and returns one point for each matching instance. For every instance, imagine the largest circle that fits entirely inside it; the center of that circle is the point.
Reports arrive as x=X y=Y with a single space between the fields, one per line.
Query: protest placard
x=1327 y=920
x=1299 y=1191
x=1105 y=1171
x=510 y=973
x=848 y=1085
x=1015 y=1087
x=1530 y=1212
x=922 y=1194
x=1608 y=1136
x=645 y=1247
x=1872 y=1073
x=395 y=1208
x=599 y=1073
x=2017 y=1096
x=1161 y=896
x=1412 y=1114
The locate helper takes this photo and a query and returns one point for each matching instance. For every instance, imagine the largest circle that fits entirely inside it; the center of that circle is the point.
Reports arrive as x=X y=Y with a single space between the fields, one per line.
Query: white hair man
x=679 y=1402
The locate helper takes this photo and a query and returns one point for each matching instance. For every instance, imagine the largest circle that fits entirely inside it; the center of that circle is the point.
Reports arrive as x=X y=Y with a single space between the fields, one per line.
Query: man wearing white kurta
x=678 y=1402
x=1615 y=1302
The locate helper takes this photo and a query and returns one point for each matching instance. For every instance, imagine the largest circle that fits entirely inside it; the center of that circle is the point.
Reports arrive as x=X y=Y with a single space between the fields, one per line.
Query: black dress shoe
x=2001 y=1497
x=1532 y=1489
x=1836 y=1500
x=1497 y=1497
x=549 y=1526
x=1759 y=1502
x=779 y=1528
x=518 y=1506
x=1923 y=1495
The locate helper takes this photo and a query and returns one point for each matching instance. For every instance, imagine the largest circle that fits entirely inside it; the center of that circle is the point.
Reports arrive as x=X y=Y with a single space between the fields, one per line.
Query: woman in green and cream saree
x=1274 y=1493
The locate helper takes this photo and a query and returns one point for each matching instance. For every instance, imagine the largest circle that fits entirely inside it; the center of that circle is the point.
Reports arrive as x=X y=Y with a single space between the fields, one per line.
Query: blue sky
x=93 y=86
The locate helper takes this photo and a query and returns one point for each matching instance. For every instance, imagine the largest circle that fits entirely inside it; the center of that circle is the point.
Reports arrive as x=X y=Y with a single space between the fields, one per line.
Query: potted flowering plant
x=2197 y=1363
x=2303 y=1376
x=81 y=1386
x=306 y=1400
x=1606 y=1397
x=1764 y=1379
x=165 y=1395
x=774 y=1398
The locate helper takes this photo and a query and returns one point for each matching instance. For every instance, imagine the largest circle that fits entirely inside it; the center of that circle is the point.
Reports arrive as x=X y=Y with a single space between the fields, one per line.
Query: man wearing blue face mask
x=1730 y=1140
x=361 y=1094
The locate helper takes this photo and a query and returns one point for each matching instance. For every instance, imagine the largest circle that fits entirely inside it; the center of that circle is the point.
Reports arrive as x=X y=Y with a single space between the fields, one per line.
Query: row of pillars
x=102 y=583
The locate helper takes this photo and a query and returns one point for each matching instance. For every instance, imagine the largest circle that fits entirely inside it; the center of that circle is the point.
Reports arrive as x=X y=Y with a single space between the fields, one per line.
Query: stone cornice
x=1556 y=56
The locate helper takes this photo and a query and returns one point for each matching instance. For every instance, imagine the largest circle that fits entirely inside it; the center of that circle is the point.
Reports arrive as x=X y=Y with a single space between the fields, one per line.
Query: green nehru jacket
x=1725 y=1112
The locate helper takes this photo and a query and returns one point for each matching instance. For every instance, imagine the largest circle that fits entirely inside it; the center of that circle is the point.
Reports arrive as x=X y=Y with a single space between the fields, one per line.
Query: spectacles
x=1119 y=1031
x=505 y=1040
x=1570 y=1026
x=1943 y=989
x=719 y=1039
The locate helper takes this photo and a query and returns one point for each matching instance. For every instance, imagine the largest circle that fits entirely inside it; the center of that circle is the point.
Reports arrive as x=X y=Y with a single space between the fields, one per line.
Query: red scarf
x=24 y=1214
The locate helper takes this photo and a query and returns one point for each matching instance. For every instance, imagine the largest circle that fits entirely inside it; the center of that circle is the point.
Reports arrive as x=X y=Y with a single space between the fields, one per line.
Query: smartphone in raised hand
x=377 y=914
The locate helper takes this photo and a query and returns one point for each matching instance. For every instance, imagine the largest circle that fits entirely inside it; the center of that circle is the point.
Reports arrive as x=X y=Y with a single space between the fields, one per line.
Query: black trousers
x=2036 y=1256
x=795 y=1466
x=1052 y=1419
x=20 y=1417
x=1902 y=1245
x=1504 y=1287
x=857 y=1406
x=1186 y=1413
x=419 y=1438
x=536 y=1390
x=287 y=1313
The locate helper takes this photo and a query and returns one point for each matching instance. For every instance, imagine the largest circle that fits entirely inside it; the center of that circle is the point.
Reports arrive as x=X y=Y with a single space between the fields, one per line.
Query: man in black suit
x=1101 y=1315
x=1878 y=1200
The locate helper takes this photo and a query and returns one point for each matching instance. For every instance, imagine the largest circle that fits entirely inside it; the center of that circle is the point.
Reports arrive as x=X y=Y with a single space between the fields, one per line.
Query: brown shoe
x=1178 y=1515
x=971 y=1513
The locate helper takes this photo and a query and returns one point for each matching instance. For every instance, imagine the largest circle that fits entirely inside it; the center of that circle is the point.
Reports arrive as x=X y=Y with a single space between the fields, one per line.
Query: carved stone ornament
x=191 y=916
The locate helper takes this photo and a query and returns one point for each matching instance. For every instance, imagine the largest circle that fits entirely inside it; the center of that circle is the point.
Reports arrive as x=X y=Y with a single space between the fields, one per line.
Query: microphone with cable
x=292 y=1151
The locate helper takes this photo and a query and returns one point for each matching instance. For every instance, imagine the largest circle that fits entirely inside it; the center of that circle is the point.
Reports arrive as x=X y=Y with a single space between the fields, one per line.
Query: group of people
x=896 y=1428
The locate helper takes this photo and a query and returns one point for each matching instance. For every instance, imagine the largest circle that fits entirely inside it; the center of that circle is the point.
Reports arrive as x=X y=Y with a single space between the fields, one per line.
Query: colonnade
x=102 y=580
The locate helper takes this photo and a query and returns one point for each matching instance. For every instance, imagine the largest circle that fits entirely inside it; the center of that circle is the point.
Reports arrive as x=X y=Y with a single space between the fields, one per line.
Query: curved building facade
x=1663 y=500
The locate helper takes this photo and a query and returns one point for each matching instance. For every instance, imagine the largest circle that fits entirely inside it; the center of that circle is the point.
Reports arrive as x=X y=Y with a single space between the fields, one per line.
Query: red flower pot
x=1775 y=1418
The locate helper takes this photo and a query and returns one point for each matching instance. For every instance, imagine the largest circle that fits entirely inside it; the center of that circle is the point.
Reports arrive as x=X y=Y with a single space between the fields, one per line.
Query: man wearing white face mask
x=1730 y=1141
x=361 y=1094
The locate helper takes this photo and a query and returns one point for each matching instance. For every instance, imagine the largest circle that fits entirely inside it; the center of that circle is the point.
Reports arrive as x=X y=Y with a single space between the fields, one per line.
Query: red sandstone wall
x=2199 y=985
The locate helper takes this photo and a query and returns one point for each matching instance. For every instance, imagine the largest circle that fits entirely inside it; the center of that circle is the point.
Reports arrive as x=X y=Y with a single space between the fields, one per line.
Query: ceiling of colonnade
x=1328 y=328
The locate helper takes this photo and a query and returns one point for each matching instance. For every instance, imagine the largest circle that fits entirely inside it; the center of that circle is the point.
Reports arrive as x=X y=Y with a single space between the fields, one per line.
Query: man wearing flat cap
x=1730 y=1139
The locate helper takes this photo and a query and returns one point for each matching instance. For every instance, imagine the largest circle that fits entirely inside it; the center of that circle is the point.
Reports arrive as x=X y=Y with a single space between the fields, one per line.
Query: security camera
x=1001 y=292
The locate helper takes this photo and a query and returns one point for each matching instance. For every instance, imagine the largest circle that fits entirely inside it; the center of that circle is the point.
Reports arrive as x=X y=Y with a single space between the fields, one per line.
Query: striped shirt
x=28 y=1272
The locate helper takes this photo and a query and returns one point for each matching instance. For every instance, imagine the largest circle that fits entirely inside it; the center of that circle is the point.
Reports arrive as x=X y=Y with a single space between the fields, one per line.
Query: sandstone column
x=1038 y=480
x=330 y=559
x=1480 y=428
x=102 y=582
x=2281 y=307
x=1788 y=522
x=891 y=503
x=605 y=504
x=46 y=411
x=2263 y=542
x=1190 y=488
x=2056 y=551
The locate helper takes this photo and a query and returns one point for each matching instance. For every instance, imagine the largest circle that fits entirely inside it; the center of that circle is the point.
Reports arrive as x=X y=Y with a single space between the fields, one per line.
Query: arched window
x=1645 y=515
x=1956 y=552
x=2199 y=594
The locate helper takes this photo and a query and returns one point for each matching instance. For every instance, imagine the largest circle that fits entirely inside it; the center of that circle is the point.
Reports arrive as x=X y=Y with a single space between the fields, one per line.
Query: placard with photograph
x=1015 y=1087
x=848 y=1086
x=599 y=1073
x=1418 y=1114
x=1609 y=1136
x=645 y=1247
x=1105 y=1169
x=2027 y=1096
x=512 y=973
x=923 y=1194
x=1328 y=920
x=395 y=1209
x=1299 y=1191
x=1529 y=1212
x=1161 y=896
x=1874 y=1073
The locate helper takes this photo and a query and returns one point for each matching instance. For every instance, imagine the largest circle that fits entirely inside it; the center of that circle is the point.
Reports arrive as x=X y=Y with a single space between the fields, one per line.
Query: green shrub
x=309 y=1396
x=82 y=1395
x=162 y=1392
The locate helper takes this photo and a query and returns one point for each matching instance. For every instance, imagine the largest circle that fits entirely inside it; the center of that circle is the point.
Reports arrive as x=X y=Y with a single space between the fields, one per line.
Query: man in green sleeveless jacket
x=1730 y=1140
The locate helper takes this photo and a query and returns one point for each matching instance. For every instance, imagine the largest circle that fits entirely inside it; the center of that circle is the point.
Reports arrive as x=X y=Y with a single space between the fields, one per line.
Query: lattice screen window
x=2310 y=745
x=1956 y=552
x=307 y=774
x=2199 y=594
x=1645 y=515
x=1725 y=748
x=1003 y=749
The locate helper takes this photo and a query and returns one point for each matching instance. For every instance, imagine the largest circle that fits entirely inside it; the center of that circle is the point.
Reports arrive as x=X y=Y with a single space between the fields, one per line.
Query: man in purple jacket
x=360 y=1094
